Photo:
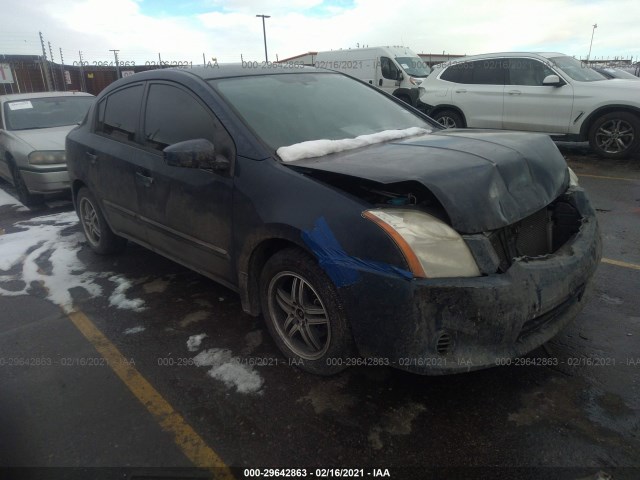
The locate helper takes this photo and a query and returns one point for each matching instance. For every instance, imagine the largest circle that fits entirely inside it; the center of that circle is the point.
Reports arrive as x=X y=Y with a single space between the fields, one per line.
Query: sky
x=229 y=31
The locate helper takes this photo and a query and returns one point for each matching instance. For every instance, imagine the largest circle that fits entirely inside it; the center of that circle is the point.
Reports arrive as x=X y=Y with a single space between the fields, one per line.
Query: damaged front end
x=534 y=275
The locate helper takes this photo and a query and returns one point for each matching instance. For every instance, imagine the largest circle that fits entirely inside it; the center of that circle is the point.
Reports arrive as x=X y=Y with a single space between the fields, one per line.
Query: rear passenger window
x=173 y=115
x=480 y=72
x=118 y=114
x=526 y=71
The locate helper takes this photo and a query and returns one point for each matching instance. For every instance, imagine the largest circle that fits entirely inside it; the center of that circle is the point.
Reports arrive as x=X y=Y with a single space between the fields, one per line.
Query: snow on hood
x=45 y=251
x=318 y=148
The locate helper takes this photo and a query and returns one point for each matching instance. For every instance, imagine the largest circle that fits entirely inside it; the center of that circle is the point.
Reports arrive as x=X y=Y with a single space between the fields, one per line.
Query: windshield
x=414 y=66
x=288 y=109
x=45 y=112
x=577 y=70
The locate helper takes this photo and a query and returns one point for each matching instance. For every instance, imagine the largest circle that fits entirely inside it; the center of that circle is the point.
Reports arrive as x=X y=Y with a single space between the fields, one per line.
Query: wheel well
x=591 y=119
x=442 y=108
x=259 y=256
x=75 y=188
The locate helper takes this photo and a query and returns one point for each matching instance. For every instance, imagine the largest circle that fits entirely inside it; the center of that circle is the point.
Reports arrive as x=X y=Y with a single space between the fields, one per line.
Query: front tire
x=101 y=238
x=615 y=135
x=449 y=119
x=27 y=198
x=304 y=314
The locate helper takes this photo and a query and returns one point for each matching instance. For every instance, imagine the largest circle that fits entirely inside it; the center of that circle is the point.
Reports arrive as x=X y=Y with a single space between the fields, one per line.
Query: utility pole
x=64 y=80
x=83 y=85
x=47 y=77
x=264 y=33
x=595 y=25
x=53 y=75
x=115 y=55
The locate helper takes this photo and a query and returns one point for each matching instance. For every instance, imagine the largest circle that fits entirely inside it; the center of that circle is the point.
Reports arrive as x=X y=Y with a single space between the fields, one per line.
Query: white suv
x=537 y=92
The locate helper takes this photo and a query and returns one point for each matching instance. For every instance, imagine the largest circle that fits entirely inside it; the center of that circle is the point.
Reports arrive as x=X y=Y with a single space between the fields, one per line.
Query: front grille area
x=537 y=235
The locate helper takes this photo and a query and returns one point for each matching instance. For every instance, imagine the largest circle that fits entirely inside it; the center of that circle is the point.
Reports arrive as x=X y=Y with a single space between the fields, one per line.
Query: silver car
x=33 y=128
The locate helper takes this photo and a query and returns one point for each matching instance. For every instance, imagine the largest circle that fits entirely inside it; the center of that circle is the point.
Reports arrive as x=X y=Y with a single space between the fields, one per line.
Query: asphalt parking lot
x=136 y=363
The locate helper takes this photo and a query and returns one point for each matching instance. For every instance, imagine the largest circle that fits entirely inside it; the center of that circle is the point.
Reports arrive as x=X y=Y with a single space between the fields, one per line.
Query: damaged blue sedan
x=361 y=231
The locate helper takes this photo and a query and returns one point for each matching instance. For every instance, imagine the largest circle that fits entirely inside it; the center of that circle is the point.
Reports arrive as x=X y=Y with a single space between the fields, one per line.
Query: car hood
x=484 y=179
x=44 y=138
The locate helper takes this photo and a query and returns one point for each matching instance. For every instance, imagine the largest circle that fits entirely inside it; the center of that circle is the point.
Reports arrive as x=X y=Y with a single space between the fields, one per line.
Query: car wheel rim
x=90 y=221
x=615 y=136
x=447 y=122
x=299 y=315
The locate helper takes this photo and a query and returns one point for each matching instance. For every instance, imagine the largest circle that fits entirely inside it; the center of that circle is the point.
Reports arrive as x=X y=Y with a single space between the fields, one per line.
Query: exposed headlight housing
x=431 y=247
x=47 y=157
x=573 y=178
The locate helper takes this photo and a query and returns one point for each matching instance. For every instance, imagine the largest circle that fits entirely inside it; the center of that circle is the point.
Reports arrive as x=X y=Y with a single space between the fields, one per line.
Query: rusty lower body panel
x=441 y=326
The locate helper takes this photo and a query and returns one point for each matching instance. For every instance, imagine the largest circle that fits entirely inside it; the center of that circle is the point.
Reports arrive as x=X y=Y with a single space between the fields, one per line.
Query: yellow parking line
x=608 y=178
x=185 y=437
x=620 y=264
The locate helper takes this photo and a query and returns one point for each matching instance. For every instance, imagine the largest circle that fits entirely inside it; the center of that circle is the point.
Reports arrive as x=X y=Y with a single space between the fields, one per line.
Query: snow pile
x=229 y=370
x=45 y=252
x=193 y=344
x=318 y=148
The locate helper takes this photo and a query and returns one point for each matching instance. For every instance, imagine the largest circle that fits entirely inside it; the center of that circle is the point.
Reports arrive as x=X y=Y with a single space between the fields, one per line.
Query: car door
x=113 y=157
x=387 y=74
x=478 y=92
x=187 y=211
x=530 y=105
x=4 y=140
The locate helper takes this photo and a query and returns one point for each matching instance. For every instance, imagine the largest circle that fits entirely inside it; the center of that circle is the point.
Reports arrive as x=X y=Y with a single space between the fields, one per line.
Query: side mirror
x=553 y=81
x=197 y=153
x=399 y=76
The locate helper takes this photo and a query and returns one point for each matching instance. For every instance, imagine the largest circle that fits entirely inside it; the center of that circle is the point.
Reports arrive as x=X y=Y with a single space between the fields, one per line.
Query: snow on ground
x=193 y=344
x=228 y=369
x=119 y=299
x=132 y=330
x=45 y=251
x=318 y=148
x=8 y=200
x=194 y=317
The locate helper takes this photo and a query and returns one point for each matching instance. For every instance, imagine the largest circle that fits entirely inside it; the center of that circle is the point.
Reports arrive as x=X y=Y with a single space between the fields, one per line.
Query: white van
x=396 y=70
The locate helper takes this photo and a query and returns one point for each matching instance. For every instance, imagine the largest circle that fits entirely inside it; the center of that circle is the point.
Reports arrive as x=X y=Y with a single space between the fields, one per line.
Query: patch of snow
x=119 y=299
x=194 y=317
x=39 y=237
x=221 y=299
x=318 y=148
x=49 y=237
x=8 y=200
x=193 y=344
x=132 y=330
x=229 y=370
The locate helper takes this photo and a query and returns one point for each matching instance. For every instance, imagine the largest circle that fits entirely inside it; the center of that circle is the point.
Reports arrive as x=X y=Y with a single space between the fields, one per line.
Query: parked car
x=363 y=235
x=611 y=72
x=33 y=127
x=395 y=70
x=538 y=92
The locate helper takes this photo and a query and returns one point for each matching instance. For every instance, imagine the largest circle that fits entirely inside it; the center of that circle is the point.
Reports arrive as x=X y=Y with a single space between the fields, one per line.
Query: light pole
x=264 y=33
x=595 y=25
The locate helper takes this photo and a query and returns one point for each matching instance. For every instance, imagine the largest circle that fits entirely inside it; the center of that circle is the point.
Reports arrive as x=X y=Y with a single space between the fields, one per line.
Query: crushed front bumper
x=440 y=326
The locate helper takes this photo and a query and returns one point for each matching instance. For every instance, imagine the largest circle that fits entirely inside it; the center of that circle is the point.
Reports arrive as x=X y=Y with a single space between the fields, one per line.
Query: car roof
x=28 y=96
x=509 y=55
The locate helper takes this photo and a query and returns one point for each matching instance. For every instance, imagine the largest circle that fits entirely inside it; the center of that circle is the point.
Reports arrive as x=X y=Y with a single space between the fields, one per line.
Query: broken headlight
x=431 y=247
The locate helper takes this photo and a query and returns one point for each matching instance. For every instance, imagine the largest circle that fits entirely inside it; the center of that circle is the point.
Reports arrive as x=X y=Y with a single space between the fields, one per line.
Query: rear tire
x=615 y=135
x=304 y=313
x=27 y=198
x=101 y=238
x=449 y=119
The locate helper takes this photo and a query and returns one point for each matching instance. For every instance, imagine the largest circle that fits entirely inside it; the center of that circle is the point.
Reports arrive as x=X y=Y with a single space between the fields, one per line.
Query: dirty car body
x=359 y=229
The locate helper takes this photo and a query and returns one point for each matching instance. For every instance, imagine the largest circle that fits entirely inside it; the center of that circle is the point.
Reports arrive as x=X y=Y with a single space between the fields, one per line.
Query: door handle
x=461 y=90
x=144 y=179
x=92 y=157
x=514 y=92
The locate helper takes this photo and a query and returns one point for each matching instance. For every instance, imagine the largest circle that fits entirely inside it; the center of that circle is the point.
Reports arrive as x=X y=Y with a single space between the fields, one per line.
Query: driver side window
x=389 y=70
